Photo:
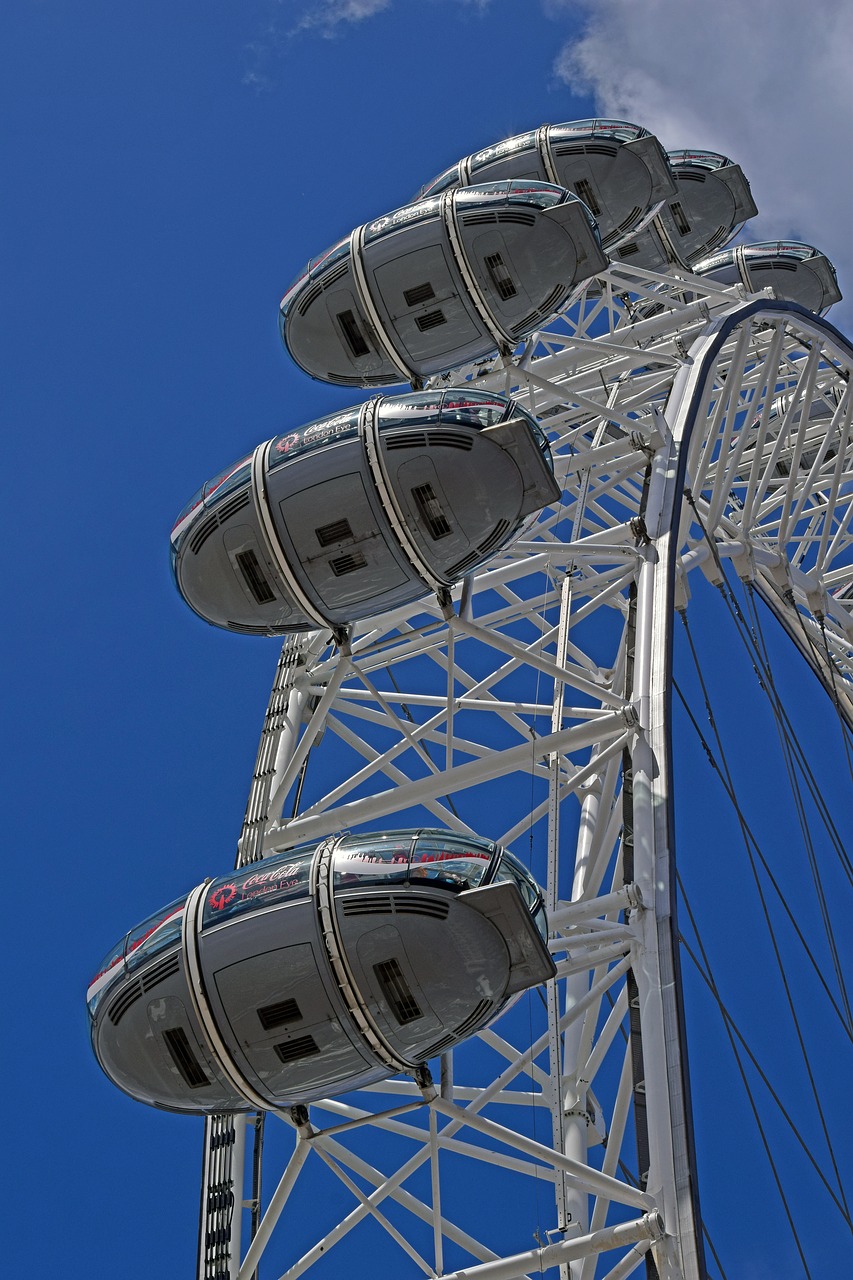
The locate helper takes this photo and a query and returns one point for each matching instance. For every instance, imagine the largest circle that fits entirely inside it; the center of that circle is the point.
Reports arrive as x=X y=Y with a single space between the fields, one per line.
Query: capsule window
x=419 y=293
x=583 y=189
x=184 y=1059
x=450 y=861
x=677 y=211
x=253 y=576
x=397 y=991
x=430 y=511
x=501 y=278
x=352 y=334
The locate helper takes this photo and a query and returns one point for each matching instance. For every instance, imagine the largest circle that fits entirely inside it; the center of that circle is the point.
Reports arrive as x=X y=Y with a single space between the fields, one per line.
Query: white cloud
x=328 y=16
x=766 y=83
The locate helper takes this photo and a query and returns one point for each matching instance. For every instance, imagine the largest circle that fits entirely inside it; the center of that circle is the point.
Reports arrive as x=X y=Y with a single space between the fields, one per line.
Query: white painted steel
x=536 y=702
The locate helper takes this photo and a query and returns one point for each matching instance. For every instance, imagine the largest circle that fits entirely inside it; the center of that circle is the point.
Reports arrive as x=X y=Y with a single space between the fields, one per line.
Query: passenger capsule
x=796 y=272
x=711 y=203
x=619 y=170
x=317 y=971
x=439 y=283
x=362 y=511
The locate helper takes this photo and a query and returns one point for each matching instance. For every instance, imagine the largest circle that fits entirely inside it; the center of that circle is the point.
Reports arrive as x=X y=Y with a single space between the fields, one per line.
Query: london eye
x=480 y=583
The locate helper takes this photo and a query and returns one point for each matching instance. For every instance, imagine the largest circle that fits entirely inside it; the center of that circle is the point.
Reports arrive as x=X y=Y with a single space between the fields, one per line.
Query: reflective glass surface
x=337 y=426
x=541 y=196
x=195 y=501
x=702 y=159
x=470 y=408
x=155 y=933
x=449 y=178
x=622 y=130
x=510 y=146
x=412 y=857
x=536 y=195
x=379 y=860
x=227 y=481
x=476 y=408
x=259 y=884
x=417 y=408
x=207 y=496
x=329 y=258
x=405 y=217
x=315 y=268
x=763 y=249
x=110 y=967
x=451 y=861
x=509 y=868
x=780 y=249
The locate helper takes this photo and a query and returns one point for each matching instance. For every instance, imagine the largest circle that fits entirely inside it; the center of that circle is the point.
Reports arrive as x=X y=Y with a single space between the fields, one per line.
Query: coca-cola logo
x=221 y=896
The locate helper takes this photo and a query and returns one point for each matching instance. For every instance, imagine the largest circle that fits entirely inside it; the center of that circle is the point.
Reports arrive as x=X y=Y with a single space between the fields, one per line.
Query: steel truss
x=690 y=425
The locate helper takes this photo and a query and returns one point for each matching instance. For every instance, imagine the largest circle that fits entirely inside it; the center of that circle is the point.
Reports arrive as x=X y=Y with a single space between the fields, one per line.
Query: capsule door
x=420 y=297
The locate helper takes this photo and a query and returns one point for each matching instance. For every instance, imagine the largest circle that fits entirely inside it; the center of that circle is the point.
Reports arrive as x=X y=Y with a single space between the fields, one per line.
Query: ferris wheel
x=516 y=698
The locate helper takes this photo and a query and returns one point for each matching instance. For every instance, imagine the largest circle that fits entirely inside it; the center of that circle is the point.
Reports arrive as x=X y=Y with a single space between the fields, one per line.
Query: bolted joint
x=300 y=1119
x=423 y=1079
x=639 y=530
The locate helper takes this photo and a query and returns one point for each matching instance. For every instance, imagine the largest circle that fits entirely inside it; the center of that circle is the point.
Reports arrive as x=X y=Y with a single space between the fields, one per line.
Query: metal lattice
x=690 y=425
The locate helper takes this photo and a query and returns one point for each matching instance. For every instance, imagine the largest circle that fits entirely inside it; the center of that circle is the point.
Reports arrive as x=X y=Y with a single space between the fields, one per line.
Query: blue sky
x=168 y=170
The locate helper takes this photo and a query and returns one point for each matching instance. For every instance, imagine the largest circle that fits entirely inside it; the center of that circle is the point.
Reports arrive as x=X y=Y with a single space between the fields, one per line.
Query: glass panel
x=477 y=409
x=449 y=178
x=381 y=860
x=451 y=861
x=521 y=142
x=725 y=259
x=110 y=967
x=228 y=480
x=259 y=884
x=619 y=129
x=420 y=408
x=409 y=214
x=195 y=501
x=539 y=195
x=292 y=292
x=523 y=191
x=780 y=249
x=509 y=868
x=541 y=438
x=331 y=256
x=702 y=159
x=315 y=268
x=155 y=933
x=338 y=426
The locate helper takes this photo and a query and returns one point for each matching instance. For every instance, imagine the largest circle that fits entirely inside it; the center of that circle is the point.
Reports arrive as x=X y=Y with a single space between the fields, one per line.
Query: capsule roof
x=439 y=283
x=618 y=169
x=796 y=272
x=711 y=202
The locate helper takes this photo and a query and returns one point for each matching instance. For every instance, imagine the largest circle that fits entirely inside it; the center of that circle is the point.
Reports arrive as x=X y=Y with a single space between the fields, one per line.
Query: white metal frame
x=540 y=695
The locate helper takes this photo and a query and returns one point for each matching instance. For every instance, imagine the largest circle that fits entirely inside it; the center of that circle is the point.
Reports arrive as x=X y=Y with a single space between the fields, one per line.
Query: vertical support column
x=565 y=1215
x=659 y=1054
